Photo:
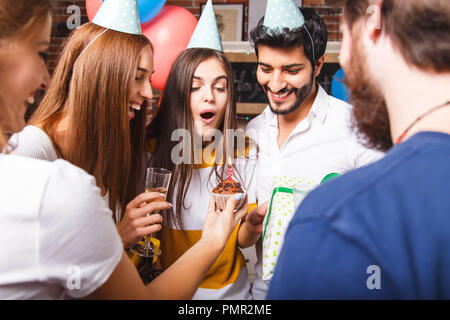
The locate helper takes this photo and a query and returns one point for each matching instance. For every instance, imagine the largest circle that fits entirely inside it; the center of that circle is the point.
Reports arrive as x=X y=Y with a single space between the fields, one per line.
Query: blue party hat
x=119 y=15
x=282 y=14
x=206 y=34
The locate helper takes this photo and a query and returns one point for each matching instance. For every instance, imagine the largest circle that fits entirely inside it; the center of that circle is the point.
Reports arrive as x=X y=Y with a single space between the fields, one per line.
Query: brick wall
x=194 y=7
x=60 y=30
x=330 y=10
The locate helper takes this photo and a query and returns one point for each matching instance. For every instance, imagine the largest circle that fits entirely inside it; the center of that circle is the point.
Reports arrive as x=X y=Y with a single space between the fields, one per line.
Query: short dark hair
x=298 y=37
x=419 y=29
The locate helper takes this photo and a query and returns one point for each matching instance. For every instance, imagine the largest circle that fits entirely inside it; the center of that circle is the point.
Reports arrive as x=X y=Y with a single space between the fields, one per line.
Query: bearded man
x=382 y=231
x=304 y=134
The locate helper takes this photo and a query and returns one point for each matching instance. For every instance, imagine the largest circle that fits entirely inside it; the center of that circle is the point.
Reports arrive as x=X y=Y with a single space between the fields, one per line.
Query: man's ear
x=373 y=23
x=319 y=65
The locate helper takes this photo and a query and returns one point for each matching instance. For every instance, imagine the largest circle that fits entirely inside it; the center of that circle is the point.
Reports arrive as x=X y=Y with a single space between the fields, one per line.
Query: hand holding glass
x=156 y=180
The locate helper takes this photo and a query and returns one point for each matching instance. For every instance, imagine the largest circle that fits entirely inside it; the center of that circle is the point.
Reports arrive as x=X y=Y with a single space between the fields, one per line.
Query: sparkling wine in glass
x=156 y=180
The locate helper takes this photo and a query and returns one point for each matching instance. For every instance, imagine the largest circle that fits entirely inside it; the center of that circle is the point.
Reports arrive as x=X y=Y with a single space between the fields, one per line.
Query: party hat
x=282 y=14
x=206 y=34
x=119 y=15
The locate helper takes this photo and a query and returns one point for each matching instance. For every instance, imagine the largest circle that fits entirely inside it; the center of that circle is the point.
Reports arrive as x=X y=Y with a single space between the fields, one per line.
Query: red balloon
x=92 y=7
x=170 y=32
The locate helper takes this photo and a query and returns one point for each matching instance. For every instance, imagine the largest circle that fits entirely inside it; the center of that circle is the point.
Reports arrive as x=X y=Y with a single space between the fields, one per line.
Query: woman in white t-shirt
x=56 y=230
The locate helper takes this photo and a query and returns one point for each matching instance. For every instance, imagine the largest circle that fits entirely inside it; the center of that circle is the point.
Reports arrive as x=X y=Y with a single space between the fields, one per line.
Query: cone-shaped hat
x=119 y=15
x=206 y=34
x=282 y=14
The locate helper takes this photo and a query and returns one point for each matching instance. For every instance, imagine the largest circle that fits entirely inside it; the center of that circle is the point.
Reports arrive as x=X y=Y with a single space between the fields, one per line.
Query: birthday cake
x=228 y=187
x=224 y=190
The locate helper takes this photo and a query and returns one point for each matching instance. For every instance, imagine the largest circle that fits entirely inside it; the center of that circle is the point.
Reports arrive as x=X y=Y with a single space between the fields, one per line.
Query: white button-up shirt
x=322 y=143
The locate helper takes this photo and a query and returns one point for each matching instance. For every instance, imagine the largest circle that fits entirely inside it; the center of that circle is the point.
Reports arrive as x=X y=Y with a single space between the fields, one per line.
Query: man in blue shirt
x=383 y=231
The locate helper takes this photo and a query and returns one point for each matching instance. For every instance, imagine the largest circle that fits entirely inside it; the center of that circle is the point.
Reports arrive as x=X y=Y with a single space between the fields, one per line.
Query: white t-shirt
x=34 y=143
x=322 y=143
x=56 y=233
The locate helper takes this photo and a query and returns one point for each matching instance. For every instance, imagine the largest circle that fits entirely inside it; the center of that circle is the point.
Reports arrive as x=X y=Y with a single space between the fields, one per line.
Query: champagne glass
x=156 y=180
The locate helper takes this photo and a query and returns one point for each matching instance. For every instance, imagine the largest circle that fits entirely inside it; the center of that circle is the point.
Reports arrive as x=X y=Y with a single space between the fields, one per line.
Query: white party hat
x=119 y=15
x=282 y=14
x=206 y=34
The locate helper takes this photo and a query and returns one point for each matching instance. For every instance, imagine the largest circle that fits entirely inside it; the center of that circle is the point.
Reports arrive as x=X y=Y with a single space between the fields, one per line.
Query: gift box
x=281 y=210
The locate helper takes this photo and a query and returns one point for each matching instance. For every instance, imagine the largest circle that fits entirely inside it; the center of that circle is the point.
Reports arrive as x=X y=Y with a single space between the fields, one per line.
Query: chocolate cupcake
x=224 y=190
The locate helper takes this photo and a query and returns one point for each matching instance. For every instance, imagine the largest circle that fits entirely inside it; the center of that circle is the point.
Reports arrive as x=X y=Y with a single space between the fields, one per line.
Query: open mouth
x=208 y=116
x=30 y=99
x=132 y=108
x=281 y=97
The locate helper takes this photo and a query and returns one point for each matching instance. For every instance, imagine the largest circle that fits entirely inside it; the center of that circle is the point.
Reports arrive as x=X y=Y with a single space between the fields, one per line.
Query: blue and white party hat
x=282 y=14
x=119 y=15
x=206 y=34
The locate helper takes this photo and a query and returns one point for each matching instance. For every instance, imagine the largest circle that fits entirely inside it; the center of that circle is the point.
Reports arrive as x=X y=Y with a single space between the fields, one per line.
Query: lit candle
x=230 y=168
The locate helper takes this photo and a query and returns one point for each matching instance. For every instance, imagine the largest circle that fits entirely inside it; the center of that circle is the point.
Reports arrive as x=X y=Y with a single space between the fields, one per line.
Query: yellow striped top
x=228 y=277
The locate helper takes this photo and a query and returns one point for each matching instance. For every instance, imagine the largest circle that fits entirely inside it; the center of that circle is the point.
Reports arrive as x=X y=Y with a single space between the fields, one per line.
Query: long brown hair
x=90 y=87
x=18 y=20
x=175 y=113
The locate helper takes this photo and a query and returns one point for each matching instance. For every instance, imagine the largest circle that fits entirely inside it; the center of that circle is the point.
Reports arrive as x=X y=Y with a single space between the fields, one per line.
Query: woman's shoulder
x=32 y=142
x=18 y=167
x=56 y=183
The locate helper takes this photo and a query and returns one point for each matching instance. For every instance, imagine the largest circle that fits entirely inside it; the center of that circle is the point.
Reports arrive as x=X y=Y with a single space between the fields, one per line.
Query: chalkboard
x=247 y=88
x=249 y=91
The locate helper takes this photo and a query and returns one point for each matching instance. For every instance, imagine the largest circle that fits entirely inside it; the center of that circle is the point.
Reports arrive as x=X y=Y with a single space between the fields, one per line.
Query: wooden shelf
x=250 y=108
x=330 y=57
x=243 y=52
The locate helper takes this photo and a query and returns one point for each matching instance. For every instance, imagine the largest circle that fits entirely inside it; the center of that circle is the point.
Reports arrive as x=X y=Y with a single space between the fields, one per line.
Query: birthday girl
x=199 y=97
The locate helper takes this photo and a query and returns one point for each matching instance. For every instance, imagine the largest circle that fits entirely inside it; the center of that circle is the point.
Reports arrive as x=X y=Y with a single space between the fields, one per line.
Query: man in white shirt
x=304 y=134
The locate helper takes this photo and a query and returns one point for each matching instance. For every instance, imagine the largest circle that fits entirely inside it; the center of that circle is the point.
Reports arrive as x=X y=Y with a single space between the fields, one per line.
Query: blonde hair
x=18 y=20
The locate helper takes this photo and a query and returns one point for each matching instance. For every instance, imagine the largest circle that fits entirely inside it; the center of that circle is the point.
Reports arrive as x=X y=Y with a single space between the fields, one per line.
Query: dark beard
x=301 y=93
x=370 y=115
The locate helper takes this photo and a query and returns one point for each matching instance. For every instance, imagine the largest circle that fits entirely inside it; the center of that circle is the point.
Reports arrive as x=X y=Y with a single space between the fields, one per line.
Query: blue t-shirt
x=378 y=232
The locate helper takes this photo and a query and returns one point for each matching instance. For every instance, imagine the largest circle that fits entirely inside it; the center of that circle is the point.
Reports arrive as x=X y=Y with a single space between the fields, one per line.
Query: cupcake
x=224 y=190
